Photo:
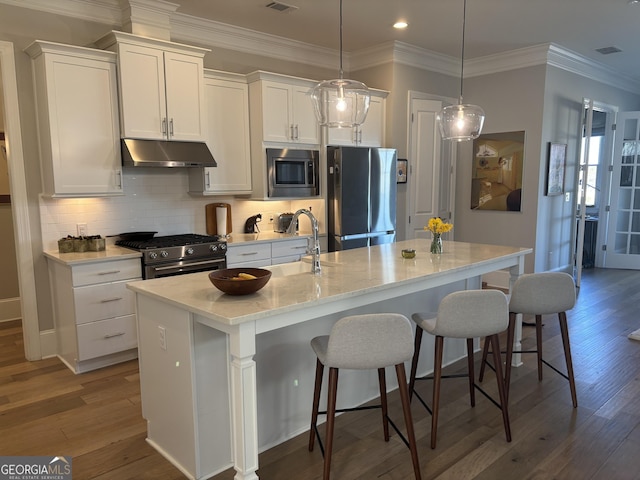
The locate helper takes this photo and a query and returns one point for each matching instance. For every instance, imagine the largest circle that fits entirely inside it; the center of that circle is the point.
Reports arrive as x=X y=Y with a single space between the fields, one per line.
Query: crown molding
x=186 y=28
x=213 y=34
x=100 y=11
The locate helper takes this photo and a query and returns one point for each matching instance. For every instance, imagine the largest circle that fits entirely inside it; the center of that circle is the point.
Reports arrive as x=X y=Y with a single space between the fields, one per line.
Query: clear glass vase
x=436 y=244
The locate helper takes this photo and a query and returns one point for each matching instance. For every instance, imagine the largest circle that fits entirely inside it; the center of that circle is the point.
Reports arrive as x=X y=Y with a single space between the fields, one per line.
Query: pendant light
x=341 y=103
x=461 y=122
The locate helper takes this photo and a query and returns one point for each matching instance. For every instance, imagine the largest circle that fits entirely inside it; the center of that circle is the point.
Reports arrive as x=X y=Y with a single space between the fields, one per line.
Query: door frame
x=19 y=203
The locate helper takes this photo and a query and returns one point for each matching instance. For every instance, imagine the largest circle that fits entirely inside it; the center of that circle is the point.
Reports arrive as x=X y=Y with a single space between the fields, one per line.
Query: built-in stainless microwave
x=293 y=172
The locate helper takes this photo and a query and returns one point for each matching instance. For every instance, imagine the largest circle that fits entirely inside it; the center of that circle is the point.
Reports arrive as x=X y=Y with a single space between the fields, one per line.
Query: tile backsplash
x=157 y=200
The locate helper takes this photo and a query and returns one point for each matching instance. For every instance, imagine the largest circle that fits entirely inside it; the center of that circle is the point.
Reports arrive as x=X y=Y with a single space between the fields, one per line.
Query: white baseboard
x=48 y=343
x=10 y=309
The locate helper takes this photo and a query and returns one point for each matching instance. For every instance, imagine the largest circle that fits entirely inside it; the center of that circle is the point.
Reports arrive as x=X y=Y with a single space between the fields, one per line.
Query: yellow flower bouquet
x=437 y=227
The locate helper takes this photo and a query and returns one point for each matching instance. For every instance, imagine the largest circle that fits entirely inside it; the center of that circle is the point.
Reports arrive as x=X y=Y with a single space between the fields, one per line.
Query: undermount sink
x=295 y=268
x=286 y=269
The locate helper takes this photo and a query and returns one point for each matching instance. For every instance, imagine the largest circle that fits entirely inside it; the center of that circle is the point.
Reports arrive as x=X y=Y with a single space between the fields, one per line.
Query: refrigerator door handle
x=355 y=237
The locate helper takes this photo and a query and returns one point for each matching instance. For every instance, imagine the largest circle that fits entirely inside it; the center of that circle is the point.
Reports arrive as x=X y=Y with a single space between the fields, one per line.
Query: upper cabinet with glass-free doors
x=161 y=87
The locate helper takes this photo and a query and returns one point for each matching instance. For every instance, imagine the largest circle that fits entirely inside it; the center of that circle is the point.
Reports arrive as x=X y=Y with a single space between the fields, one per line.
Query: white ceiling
x=492 y=26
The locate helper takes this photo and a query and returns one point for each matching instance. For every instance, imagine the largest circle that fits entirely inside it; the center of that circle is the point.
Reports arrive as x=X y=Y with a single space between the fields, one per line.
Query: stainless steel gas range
x=170 y=255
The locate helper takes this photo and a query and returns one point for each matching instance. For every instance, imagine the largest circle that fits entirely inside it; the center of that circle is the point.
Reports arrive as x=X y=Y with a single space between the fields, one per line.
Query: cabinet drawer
x=248 y=253
x=97 y=302
x=106 y=336
x=287 y=248
x=103 y=272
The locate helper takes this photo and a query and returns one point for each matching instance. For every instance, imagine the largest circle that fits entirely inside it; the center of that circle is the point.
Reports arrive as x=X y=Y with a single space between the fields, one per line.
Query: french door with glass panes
x=623 y=230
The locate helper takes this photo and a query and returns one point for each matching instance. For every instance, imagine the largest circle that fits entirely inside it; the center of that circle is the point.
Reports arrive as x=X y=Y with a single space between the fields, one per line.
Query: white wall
x=512 y=101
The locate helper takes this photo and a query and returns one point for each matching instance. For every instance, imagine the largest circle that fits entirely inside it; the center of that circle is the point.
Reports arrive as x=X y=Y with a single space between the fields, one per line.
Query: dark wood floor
x=95 y=417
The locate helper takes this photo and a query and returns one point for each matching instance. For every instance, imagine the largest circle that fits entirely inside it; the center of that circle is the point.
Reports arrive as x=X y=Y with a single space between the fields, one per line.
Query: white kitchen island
x=223 y=377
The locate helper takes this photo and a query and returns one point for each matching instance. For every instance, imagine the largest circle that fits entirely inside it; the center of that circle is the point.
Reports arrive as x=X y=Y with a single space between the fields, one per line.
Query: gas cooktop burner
x=169 y=241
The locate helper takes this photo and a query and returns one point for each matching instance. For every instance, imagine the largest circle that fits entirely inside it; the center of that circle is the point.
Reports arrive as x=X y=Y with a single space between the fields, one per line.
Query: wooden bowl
x=224 y=280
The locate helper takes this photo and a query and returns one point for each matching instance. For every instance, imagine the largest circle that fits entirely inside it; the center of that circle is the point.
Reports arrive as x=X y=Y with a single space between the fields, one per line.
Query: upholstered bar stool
x=465 y=314
x=363 y=342
x=540 y=294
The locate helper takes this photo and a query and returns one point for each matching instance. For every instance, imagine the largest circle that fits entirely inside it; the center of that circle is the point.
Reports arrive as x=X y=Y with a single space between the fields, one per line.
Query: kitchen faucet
x=315 y=251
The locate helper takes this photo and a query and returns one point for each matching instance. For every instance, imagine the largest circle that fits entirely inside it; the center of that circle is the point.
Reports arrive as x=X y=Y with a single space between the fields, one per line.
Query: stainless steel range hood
x=161 y=153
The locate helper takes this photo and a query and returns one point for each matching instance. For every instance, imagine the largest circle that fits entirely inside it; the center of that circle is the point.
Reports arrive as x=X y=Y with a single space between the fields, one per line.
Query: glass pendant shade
x=341 y=103
x=461 y=122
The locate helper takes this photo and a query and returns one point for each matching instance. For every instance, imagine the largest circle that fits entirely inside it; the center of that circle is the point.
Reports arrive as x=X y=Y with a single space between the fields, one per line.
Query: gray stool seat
x=466 y=314
x=363 y=342
x=540 y=294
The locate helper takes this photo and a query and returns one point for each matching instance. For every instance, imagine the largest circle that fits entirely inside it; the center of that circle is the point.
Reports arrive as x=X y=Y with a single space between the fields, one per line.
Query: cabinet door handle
x=300 y=247
x=114 y=299
x=291 y=135
x=112 y=335
x=207 y=180
x=119 y=179
x=249 y=253
x=110 y=272
x=296 y=130
x=164 y=126
x=171 y=127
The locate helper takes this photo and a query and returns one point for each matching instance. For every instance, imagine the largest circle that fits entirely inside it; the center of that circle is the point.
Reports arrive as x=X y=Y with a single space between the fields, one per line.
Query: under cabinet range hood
x=162 y=153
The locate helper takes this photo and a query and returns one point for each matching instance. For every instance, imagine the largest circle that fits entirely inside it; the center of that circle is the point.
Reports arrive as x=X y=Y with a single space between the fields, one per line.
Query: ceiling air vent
x=281 y=7
x=608 y=50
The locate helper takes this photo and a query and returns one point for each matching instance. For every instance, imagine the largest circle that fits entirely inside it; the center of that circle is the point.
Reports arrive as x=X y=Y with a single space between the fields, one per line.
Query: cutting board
x=211 y=212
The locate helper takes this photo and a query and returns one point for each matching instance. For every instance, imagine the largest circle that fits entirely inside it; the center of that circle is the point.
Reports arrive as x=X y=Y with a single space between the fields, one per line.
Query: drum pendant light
x=341 y=103
x=461 y=122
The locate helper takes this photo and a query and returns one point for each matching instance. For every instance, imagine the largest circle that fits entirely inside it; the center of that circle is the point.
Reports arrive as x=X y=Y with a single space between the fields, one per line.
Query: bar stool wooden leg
x=497 y=358
x=437 y=379
x=408 y=420
x=316 y=403
x=507 y=366
x=331 y=416
x=562 y=317
x=414 y=362
x=472 y=376
x=539 y=344
x=383 y=401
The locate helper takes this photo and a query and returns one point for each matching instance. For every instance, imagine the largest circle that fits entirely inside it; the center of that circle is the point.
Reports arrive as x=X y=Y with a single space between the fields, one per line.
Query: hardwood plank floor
x=96 y=418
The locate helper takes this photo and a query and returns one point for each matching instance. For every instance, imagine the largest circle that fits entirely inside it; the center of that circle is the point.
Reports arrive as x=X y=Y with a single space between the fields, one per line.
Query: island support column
x=244 y=403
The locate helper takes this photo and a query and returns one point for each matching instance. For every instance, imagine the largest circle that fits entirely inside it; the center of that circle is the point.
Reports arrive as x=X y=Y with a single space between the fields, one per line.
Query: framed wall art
x=496 y=177
x=556 y=168
x=401 y=176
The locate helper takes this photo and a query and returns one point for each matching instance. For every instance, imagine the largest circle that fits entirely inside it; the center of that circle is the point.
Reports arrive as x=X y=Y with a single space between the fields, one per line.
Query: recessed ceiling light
x=402 y=24
x=633 y=2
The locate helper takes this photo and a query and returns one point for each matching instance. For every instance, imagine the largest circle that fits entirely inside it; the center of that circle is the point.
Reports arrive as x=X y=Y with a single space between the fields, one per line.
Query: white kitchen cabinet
x=161 y=87
x=94 y=312
x=226 y=108
x=260 y=254
x=370 y=133
x=281 y=109
x=77 y=114
x=248 y=255
x=285 y=251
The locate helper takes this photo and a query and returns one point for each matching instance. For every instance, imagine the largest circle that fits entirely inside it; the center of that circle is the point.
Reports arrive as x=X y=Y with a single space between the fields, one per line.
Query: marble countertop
x=345 y=275
x=112 y=252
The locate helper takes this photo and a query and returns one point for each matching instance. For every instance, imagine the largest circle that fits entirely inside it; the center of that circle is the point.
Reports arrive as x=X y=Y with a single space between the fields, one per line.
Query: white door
x=430 y=168
x=623 y=227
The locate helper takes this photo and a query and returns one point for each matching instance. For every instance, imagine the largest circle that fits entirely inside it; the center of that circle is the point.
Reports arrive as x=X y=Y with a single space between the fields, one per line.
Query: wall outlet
x=82 y=229
x=162 y=337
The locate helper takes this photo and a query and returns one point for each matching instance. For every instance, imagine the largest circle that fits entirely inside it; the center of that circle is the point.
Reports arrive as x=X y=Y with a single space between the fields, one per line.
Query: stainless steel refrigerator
x=361 y=196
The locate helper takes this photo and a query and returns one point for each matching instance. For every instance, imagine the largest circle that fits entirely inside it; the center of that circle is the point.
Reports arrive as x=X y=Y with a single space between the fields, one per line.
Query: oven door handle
x=190 y=264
